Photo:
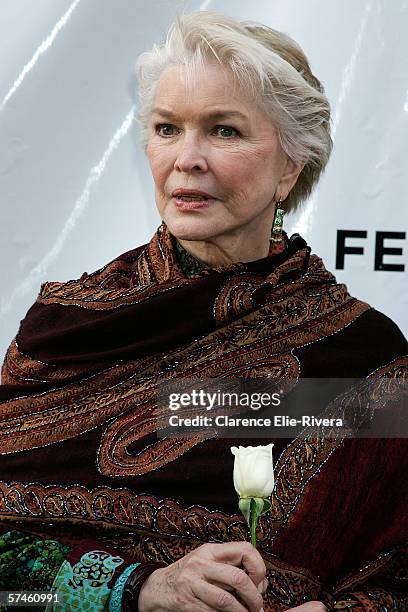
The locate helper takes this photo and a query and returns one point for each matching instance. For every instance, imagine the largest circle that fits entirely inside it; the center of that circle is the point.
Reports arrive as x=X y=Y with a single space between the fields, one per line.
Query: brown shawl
x=79 y=406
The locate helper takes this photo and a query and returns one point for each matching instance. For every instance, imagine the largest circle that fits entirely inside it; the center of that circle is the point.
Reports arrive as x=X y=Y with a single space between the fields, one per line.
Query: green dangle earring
x=277 y=227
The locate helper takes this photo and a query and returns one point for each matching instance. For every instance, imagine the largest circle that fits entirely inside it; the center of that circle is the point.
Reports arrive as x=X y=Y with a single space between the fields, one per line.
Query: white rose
x=253 y=471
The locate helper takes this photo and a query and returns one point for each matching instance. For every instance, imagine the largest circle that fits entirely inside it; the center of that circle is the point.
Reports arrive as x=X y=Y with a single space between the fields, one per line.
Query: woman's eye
x=165 y=129
x=226 y=132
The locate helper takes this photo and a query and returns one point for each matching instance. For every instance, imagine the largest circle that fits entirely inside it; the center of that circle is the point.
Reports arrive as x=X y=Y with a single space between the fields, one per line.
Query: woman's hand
x=310 y=606
x=202 y=581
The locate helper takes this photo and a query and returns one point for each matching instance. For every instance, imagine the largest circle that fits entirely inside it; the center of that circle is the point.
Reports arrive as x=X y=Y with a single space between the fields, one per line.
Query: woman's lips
x=182 y=204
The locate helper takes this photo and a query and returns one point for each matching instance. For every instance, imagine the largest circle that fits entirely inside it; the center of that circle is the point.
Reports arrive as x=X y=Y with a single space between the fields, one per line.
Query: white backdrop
x=75 y=187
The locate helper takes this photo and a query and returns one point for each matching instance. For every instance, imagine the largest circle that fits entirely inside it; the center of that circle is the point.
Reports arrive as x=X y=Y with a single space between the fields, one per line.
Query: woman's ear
x=289 y=177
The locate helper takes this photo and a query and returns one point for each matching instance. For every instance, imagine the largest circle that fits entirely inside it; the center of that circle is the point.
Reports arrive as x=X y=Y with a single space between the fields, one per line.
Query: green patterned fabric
x=84 y=586
x=115 y=599
x=189 y=264
x=28 y=562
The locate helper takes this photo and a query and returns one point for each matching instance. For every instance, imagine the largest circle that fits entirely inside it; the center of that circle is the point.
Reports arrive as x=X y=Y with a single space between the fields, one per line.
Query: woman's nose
x=190 y=155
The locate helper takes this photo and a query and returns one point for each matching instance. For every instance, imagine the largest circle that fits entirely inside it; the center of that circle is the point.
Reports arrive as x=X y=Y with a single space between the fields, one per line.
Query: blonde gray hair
x=268 y=65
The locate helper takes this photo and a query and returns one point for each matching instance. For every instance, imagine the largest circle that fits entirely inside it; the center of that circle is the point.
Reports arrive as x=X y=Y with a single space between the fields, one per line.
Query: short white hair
x=268 y=65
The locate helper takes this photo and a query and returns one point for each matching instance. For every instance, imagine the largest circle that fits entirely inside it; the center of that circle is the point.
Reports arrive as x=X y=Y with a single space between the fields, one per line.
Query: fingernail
x=261 y=610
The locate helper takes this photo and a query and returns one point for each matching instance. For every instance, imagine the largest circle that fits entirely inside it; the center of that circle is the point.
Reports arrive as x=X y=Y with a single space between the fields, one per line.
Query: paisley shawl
x=79 y=405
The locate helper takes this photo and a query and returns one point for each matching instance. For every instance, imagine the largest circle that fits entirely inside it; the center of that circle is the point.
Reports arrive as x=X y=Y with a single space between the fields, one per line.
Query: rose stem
x=253 y=522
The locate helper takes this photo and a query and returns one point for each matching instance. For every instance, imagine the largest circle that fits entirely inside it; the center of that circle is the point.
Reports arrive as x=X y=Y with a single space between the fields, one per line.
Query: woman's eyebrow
x=219 y=114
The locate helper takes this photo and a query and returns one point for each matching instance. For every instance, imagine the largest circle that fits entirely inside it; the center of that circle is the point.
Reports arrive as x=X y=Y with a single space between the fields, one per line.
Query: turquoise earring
x=277 y=227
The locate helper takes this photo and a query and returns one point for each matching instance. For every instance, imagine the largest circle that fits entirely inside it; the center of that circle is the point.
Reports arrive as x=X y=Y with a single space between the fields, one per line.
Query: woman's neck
x=216 y=252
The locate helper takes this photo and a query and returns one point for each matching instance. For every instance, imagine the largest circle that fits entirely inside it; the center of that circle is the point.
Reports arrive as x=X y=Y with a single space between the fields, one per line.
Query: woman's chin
x=192 y=229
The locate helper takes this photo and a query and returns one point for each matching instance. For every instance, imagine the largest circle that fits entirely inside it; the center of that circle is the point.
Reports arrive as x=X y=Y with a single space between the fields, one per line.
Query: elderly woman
x=97 y=509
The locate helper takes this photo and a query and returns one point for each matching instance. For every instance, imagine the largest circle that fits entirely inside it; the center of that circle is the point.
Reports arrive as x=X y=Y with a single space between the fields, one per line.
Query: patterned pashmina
x=79 y=419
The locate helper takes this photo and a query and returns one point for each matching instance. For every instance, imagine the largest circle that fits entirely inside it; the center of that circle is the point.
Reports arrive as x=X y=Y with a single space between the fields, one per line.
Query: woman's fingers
x=187 y=585
x=216 y=598
x=200 y=606
x=230 y=577
x=238 y=554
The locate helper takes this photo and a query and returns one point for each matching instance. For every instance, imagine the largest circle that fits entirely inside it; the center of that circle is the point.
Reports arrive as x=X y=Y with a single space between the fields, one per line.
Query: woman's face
x=213 y=139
